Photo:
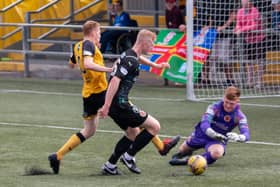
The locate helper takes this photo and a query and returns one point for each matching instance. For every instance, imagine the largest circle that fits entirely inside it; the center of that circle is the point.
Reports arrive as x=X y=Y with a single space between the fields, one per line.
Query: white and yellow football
x=197 y=164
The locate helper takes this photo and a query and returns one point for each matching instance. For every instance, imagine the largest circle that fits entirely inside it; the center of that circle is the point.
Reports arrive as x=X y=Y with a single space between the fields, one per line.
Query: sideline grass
x=21 y=147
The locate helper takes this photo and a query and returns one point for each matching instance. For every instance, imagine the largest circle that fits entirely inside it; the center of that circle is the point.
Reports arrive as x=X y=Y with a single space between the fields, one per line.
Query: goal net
x=245 y=52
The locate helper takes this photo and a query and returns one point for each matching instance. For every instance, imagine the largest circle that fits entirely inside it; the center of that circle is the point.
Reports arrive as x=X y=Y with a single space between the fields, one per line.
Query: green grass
x=26 y=140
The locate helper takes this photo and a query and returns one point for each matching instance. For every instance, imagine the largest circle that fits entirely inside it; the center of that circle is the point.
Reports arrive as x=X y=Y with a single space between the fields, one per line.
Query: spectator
x=202 y=22
x=276 y=14
x=249 y=27
x=202 y=18
x=173 y=19
x=182 y=7
x=173 y=15
x=223 y=16
x=274 y=37
x=264 y=7
x=121 y=18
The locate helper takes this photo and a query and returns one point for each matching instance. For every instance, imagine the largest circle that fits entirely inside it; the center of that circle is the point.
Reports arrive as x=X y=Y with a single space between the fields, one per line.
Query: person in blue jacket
x=121 y=19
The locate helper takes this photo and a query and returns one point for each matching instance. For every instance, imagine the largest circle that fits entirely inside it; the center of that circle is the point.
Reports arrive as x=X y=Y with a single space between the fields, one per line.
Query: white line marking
x=250 y=104
x=38 y=92
x=108 y=131
x=136 y=98
x=75 y=94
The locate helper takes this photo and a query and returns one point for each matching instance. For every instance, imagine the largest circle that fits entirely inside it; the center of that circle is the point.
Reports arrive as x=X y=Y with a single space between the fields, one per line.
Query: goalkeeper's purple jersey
x=223 y=122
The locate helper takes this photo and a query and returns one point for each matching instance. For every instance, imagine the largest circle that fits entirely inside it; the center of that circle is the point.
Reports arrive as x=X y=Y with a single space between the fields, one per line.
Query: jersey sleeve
x=123 y=67
x=243 y=126
x=88 y=48
x=207 y=117
x=72 y=59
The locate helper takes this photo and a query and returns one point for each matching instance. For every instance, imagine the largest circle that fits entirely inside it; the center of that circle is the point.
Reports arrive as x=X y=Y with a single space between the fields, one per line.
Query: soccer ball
x=197 y=164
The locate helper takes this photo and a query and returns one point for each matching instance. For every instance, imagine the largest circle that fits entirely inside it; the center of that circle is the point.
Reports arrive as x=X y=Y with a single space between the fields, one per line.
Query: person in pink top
x=249 y=27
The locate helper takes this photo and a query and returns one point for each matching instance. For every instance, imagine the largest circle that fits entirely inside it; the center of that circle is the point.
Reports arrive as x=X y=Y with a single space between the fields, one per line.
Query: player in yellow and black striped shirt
x=88 y=57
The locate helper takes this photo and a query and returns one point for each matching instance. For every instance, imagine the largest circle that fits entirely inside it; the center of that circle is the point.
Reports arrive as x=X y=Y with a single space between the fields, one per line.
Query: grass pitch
x=38 y=116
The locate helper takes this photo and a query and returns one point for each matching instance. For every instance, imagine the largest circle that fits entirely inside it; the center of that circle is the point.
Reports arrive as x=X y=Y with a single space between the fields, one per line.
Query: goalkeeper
x=215 y=129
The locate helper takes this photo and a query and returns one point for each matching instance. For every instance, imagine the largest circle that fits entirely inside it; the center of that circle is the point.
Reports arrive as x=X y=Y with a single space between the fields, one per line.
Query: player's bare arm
x=146 y=61
x=111 y=92
x=89 y=64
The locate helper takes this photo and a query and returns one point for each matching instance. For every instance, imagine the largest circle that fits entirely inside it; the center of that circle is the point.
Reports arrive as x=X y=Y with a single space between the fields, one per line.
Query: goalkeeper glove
x=217 y=136
x=236 y=137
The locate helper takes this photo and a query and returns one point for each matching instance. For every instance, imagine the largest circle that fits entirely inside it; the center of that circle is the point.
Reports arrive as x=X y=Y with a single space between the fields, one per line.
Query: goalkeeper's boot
x=130 y=164
x=180 y=159
x=169 y=144
x=54 y=163
x=110 y=171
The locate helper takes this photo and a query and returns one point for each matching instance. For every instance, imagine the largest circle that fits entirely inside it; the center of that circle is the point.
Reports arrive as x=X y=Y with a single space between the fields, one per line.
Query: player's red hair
x=89 y=26
x=232 y=93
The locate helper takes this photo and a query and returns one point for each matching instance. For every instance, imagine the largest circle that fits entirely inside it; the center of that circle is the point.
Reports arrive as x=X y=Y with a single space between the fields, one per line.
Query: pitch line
x=109 y=131
x=75 y=94
x=135 y=98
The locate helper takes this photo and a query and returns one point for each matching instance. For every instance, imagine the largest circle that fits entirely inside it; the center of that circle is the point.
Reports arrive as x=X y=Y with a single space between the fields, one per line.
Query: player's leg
x=121 y=147
x=91 y=119
x=151 y=128
x=214 y=151
x=89 y=129
x=165 y=145
x=181 y=157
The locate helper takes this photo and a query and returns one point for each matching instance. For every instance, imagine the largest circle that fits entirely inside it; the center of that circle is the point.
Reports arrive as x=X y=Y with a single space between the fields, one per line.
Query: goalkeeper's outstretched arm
x=244 y=135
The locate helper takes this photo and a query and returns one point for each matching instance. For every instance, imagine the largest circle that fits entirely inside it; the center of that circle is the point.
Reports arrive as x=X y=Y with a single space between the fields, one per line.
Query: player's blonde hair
x=145 y=34
x=89 y=26
x=232 y=93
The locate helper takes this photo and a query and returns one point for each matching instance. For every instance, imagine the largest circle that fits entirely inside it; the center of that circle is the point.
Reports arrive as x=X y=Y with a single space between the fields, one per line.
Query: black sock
x=82 y=138
x=120 y=148
x=180 y=155
x=140 y=141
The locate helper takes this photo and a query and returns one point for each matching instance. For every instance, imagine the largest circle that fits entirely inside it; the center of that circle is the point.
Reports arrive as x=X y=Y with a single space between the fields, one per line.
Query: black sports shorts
x=93 y=103
x=127 y=115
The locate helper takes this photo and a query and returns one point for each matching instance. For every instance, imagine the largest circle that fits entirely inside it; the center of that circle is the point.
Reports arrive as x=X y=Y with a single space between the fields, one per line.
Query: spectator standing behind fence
x=223 y=16
x=249 y=27
x=173 y=19
x=201 y=24
x=121 y=18
x=173 y=15
x=276 y=14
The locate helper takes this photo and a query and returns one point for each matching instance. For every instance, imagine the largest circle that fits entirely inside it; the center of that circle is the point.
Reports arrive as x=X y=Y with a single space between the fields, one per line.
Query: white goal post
x=245 y=52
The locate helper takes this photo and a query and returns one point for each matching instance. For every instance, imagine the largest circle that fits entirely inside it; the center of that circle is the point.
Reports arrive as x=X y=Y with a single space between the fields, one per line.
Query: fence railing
x=27 y=41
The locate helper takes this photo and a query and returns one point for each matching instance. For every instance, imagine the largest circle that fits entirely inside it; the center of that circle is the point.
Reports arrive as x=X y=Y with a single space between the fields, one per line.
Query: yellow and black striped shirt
x=94 y=81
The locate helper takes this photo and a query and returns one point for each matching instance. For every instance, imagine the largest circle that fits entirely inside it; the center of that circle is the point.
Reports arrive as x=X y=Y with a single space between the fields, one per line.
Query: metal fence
x=27 y=40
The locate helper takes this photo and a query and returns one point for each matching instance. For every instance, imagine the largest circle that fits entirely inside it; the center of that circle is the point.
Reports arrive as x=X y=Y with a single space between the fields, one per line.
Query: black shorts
x=93 y=103
x=127 y=115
